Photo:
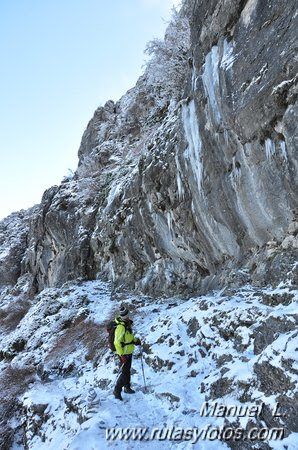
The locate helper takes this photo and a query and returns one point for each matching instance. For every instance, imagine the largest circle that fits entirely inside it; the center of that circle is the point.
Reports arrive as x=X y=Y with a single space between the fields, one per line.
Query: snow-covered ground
x=203 y=348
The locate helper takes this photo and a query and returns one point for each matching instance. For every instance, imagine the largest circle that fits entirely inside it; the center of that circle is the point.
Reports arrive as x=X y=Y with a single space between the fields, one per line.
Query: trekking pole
x=118 y=375
x=143 y=370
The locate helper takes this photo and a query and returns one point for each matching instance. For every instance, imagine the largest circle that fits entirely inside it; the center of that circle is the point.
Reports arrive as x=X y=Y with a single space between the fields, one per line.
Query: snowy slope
x=197 y=349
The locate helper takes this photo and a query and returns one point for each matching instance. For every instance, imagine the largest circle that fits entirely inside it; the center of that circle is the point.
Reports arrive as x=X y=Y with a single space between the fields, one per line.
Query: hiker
x=124 y=343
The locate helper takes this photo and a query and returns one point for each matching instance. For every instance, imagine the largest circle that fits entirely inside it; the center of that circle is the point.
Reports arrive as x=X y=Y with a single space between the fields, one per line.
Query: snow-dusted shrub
x=13 y=382
x=11 y=316
x=78 y=332
x=168 y=61
x=68 y=177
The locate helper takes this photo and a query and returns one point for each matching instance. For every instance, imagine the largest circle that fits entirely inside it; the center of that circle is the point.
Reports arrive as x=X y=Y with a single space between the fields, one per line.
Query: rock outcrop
x=14 y=231
x=173 y=193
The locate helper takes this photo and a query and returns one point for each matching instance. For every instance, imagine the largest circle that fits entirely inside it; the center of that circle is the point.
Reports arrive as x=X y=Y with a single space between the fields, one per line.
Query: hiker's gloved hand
x=138 y=342
x=123 y=359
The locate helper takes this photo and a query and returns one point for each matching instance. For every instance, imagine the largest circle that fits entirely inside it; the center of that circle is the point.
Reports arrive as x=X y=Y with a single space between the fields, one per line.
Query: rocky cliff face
x=13 y=244
x=172 y=192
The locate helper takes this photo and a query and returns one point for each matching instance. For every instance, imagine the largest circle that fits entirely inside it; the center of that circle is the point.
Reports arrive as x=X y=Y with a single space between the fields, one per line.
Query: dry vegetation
x=11 y=316
x=79 y=331
x=13 y=382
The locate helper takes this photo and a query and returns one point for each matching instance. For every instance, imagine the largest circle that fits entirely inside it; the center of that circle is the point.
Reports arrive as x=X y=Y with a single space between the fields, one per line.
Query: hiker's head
x=123 y=312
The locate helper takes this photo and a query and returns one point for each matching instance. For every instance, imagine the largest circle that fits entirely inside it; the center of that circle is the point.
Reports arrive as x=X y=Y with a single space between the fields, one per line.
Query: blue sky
x=60 y=60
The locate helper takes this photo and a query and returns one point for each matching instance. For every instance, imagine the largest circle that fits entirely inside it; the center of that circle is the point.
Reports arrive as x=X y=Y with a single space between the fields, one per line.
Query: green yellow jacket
x=124 y=338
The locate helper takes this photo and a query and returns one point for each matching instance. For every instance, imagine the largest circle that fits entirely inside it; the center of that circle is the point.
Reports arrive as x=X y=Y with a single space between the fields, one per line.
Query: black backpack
x=111 y=327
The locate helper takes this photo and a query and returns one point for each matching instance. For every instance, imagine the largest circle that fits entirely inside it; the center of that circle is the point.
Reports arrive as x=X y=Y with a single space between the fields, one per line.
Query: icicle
x=210 y=79
x=112 y=271
x=193 y=150
x=283 y=150
x=179 y=179
x=170 y=220
x=227 y=58
x=269 y=148
x=194 y=78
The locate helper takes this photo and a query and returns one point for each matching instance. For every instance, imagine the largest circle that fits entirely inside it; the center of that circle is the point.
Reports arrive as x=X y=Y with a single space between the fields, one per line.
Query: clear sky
x=60 y=60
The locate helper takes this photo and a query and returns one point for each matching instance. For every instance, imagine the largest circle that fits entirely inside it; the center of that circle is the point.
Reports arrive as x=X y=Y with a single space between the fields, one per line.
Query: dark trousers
x=124 y=377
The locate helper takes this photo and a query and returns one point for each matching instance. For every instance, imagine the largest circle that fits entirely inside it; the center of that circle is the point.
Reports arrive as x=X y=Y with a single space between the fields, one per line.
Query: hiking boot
x=117 y=395
x=128 y=390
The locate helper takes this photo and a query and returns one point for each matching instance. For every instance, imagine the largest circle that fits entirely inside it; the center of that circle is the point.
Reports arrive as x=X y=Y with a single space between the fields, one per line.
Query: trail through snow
x=183 y=342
